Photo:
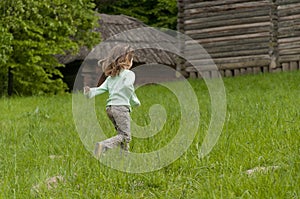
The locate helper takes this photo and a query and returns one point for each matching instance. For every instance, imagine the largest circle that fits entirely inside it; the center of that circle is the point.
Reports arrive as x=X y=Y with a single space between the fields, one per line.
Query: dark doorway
x=70 y=72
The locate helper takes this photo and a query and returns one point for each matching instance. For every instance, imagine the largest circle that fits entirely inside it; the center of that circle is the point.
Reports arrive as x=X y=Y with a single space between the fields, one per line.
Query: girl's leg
x=119 y=115
x=112 y=142
x=109 y=143
x=122 y=118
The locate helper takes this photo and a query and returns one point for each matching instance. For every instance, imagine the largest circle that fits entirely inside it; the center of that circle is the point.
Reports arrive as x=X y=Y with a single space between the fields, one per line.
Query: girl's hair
x=119 y=58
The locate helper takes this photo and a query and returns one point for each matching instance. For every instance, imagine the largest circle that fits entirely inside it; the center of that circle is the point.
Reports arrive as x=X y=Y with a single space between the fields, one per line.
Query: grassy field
x=257 y=155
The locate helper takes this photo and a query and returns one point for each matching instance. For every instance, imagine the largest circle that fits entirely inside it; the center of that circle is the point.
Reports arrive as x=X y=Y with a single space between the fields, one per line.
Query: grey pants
x=120 y=117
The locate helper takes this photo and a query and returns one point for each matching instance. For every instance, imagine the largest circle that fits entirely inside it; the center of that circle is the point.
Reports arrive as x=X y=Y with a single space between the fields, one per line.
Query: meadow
x=256 y=156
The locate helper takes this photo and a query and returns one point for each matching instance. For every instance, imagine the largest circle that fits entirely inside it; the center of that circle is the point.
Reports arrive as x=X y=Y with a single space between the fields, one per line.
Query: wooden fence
x=242 y=36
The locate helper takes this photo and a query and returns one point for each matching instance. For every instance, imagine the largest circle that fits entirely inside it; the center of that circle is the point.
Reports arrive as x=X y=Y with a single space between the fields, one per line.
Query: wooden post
x=256 y=70
x=249 y=70
x=228 y=73
x=222 y=73
x=236 y=72
x=294 y=66
x=243 y=71
x=205 y=74
x=193 y=75
x=285 y=67
x=265 y=69
x=215 y=74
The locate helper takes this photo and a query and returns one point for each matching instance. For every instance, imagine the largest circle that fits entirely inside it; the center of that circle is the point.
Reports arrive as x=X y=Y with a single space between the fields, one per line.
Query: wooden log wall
x=241 y=36
x=289 y=34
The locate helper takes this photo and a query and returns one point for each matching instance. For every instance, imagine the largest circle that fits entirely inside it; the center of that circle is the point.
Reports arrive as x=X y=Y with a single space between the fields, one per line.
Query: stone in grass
x=50 y=183
x=261 y=169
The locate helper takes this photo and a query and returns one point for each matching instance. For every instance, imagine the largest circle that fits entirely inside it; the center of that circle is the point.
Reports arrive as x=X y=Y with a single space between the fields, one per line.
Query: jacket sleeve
x=98 y=90
x=134 y=100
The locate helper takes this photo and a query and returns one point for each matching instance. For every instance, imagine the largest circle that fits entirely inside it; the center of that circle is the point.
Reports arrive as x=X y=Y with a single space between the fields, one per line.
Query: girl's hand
x=86 y=90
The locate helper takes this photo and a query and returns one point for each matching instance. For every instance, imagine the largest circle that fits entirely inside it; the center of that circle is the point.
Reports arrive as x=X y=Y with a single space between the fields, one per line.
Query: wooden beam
x=226 y=7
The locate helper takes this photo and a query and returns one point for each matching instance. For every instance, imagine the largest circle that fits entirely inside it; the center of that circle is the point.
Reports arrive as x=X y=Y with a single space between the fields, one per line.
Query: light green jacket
x=120 y=89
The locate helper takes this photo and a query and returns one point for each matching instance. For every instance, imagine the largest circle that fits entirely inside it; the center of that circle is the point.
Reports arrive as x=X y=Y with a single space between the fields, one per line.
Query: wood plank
x=231 y=47
x=288 y=34
x=197 y=4
x=284 y=46
x=239 y=53
x=292 y=28
x=237 y=37
x=225 y=26
x=232 y=19
x=263 y=58
x=292 y=51
x=263 y=47
x=288 y=58
x=228 y=13
x=232 y=63
x=226 y=7
x=292 y=6
x=287 y=12
x=289 y=18
x=231 y=43
x=221 y=55
x=209 y=17
x=288 y=40
x=289 y=25
x=284 y=2
x=228 y=28
x=225 y=33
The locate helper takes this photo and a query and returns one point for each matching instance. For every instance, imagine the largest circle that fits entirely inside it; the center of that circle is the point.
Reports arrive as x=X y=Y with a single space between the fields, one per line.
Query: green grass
x=39 y=141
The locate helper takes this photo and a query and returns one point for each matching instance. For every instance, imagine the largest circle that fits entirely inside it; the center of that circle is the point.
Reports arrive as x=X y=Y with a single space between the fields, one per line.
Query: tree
x=157 y=13
x=38 y=30
x=5 y=50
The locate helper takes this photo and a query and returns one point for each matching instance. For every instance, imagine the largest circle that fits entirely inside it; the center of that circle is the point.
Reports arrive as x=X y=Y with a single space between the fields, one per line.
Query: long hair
x=119 y=58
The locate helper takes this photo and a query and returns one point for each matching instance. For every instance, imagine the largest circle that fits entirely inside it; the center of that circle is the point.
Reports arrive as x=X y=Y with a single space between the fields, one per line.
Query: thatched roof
x=110 y=28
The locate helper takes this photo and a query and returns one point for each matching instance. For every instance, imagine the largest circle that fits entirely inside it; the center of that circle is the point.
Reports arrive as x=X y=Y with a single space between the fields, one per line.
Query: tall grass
x=257 y=155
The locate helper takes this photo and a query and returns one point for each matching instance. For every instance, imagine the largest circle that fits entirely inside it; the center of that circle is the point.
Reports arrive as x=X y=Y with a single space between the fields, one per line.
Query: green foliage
x=38 y=30
x=166 y=13
x=5 y=51
x=39 y=141
x=157 y=13
x=5 y=44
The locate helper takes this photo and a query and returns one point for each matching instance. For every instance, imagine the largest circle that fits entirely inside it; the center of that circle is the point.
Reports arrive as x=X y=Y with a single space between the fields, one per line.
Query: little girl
x=119 y=84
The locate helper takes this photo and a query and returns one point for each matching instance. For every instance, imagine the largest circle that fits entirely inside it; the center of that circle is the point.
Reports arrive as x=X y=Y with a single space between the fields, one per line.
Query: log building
x=242 y=36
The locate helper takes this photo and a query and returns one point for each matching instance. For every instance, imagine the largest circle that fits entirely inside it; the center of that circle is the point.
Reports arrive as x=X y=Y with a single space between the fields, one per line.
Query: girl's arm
x=92 y=92
x=134 y=100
